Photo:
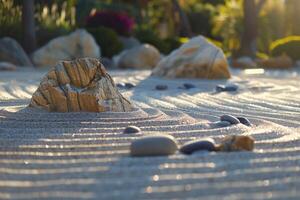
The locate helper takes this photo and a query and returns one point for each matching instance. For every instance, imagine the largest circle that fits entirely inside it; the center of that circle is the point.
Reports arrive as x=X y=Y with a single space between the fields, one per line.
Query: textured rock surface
x=197 y=58
x=75 y=45
x=11 y=51
x=237 y=143
x=79 y=85
x=141 y=57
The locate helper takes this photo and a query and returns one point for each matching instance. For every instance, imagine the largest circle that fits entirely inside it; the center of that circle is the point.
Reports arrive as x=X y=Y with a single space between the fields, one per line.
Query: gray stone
x=132 y=130
x=5 y=66
x=12 y=52
x=188 y=86
x=206 y=144
x=161 y=87
x=108 y=63
x=155 y=145
x=227 y=88
x=244 y=121
x=221 y=124
x=230 y=118
x=129 y=42
x=144 y=56
x=78 y=44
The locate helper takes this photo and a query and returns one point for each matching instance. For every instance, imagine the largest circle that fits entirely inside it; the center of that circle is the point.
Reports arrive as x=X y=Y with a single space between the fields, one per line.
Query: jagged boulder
x=79 y=85
x=78 y=44
x=197 y=58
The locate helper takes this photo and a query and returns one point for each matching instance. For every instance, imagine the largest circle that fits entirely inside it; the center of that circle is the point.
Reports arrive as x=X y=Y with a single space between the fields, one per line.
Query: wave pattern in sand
x=85 y=155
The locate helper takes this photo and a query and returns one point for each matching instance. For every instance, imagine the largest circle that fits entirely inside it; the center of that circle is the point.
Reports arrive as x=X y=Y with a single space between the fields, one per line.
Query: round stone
x=229 y=118
x=155 y=145
x=207 y=144
x=129 y=85
x=188 y=86
x=244 y=121
x=132 y=130
x=226 y=88
x=120 y=85
x=221 y=124
x=161 y=87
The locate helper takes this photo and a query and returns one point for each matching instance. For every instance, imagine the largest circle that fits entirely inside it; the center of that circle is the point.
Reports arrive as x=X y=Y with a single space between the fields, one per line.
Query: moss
x=288 y=45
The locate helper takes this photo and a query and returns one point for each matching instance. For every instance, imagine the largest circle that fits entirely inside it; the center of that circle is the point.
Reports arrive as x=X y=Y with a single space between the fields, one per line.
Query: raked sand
x=85 y=155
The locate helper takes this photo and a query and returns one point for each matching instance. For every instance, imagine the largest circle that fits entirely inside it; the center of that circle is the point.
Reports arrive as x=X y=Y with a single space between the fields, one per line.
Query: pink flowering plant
x=118 y=21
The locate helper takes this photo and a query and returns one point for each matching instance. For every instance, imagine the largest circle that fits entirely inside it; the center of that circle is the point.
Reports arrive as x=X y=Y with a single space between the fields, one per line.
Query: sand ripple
x=85 y=155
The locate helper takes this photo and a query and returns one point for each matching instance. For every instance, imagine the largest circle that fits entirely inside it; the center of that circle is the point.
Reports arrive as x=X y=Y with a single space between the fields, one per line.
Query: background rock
x=129 y=42
x=12 y=52
x=5 y=66
x=197 y=58
x=79 y=85
x=144 y=56
x=280 y=62
x=244 y=62
x=75 y=45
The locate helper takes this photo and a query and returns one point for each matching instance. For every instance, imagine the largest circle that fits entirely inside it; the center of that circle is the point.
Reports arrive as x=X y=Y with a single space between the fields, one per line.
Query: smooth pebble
x=222 y=124
x=229 y=118
x=244 y=121
x=120 y=85
x=188 y=86
x=129 y=85
x=206 y=144
x=132 y=130
x=226 y=88
x=155 y=145
x=161 y=87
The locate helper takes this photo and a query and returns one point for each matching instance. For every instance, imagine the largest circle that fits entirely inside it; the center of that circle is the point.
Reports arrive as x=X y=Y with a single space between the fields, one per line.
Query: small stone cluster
x=81 y=85
x=163 y=145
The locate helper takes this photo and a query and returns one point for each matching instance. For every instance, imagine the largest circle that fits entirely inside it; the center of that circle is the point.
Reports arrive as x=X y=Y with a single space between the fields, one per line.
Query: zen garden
x=150 y=99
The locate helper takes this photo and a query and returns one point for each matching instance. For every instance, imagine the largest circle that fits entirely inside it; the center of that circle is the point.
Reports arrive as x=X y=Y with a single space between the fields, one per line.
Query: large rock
x=75 y=45
x=144 y=56
x=79 y=85
x=12 y=52
x=280 y=62
x=197 y=58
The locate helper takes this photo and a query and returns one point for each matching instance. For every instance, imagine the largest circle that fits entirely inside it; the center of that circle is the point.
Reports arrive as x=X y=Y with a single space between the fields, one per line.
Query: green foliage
x=107 y=39
x=228 y=24
x=163 y=45
x=45 y=34
x=288 y=45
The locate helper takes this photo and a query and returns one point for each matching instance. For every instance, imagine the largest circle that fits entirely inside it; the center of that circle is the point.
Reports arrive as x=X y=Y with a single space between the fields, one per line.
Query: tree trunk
x=248 y=42
x=184 y=22
x=28 y=26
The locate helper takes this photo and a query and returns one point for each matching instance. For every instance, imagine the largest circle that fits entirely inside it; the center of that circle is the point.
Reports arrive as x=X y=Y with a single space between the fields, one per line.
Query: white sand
x=85 y=155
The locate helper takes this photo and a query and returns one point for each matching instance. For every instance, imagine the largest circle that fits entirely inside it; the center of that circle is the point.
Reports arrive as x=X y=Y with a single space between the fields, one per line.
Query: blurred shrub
x=288 y=45
x=118 y=21
x=228 y=24
x=45 y=34
x=107 y=39
x=261 y=55
x=165 y=46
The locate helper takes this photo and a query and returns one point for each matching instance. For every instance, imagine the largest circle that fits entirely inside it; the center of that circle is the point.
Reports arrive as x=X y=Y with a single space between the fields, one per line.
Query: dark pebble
x=161 y=87
x=132 y=130
x=120 y=85
x=207 y=144
x=129 y=85
x=222 y=124
x=188 y=86
x=226 y=88
x=244 y=121
x=230 y=118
